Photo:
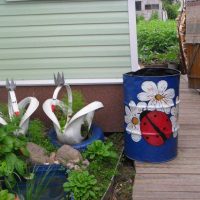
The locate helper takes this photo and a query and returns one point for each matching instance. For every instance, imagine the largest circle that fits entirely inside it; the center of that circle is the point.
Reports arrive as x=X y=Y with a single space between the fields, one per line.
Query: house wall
x=148 y=13
x=85 y=39
x=82 y=38
x=110 y=118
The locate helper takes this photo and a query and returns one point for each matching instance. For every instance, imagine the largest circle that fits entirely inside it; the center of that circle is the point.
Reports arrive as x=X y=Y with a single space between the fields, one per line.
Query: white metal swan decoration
x=28 y=104
x=71 y=133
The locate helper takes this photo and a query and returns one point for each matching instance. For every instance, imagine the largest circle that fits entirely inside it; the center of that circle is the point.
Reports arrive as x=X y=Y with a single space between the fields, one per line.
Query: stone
x=77 y=168
x=67 y=154
x=70 y=165
x=37 y=154
x=52 y=158
x=86 y=163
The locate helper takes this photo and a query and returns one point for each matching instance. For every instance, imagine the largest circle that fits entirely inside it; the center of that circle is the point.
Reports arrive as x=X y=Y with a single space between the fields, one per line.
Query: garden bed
x=121 y=185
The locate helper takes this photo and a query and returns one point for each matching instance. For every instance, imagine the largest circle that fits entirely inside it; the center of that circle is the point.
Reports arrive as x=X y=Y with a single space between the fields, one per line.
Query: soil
x=123 y=185
x=123 y=181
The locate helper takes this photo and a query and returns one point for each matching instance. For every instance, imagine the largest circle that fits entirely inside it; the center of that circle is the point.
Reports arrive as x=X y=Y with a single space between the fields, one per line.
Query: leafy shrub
x=82 y=185
x=100 y=151
x=172 y=10
x=154 y=16
x=12 y=155
x=157 y=40
x=5 y=195
x=36 y=134
x=139 y=18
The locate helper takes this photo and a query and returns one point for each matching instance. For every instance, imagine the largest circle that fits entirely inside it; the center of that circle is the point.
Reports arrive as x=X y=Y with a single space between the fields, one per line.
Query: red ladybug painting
x=155 y=127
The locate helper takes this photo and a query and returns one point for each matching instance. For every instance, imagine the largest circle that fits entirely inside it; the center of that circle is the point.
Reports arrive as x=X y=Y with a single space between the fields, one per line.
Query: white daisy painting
x=132 y=119
x=157 y=96
x=174 y=117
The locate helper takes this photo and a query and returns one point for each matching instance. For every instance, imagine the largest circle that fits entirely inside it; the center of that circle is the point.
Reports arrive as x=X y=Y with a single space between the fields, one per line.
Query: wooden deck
x=180 y=178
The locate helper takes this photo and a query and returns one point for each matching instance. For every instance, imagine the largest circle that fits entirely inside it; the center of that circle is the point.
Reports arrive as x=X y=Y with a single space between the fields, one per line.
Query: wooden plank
x=176 y=179
x=187 y=144
x=167 y=187
x=173 y=195
x=169 y=169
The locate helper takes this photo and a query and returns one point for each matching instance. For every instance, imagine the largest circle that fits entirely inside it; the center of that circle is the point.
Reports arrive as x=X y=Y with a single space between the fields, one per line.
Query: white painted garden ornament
x=71 y=133
x=28 y=105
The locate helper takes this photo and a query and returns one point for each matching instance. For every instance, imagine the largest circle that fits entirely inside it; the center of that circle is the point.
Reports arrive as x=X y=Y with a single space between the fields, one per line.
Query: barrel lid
x=154 y=72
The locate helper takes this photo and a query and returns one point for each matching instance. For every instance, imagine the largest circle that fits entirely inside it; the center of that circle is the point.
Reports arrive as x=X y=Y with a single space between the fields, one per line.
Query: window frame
x=139 y=5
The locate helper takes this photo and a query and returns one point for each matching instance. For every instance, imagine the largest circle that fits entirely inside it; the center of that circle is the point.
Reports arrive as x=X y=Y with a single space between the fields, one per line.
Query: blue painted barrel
x=151 y=98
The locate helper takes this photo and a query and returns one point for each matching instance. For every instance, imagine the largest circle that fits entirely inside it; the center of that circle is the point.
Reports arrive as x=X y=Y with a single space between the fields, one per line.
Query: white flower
x=132 y=119
x=158 y=96
x=174 y=118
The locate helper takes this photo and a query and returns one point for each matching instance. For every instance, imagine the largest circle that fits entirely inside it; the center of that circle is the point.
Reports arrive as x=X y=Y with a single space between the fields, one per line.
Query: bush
x=154 y=16
x=172 y=10
x=139 y=18
x=157 y=41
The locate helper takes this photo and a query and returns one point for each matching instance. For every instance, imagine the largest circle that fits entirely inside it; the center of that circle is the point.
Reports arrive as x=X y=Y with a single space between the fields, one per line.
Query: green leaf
x=11 y=159
x=20 y=167
x=5 y=195
x=24 y=151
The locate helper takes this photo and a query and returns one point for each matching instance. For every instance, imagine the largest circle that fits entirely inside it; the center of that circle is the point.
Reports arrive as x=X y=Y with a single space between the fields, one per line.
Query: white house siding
x=83 y=39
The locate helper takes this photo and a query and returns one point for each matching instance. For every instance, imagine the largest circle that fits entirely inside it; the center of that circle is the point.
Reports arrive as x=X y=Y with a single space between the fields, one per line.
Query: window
x=138 y=5
x=155 y=6
x=151 y=6
x=148 y=7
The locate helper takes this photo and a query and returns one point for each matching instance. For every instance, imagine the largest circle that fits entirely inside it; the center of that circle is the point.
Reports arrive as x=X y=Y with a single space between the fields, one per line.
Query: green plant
x=78 y=103
x=172 y=9
x=82 y=185
x=154 y=16
x=100 y=151
x=5 y=115
x=36 y=185
x=4 y=111
x=157 y=41
x=139 y=18
x=13 y=154
x=5 y=195
x=36 y=135
x=105 y=168
x=172 y=55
